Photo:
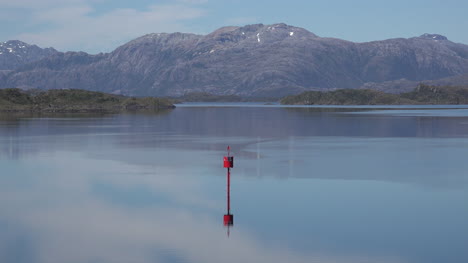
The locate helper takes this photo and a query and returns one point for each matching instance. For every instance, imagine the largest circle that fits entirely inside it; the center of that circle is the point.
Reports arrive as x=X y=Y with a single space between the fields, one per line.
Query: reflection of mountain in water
x=270 y=141
x=23 y=134
x=279 y=122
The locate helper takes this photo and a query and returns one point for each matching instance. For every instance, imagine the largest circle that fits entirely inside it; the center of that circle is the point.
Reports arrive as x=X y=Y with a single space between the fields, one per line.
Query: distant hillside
x=74 y=101
x=404 y=85
x=423 y=94
x=207 y=97
x=250 y=61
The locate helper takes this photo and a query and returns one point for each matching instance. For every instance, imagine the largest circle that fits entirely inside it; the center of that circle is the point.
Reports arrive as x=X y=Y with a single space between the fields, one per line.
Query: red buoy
x=228 y=162
x=228 y=220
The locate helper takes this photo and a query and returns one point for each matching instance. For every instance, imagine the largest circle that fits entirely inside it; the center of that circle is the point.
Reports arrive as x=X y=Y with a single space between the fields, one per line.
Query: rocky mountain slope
x=254 y=60
x=15 y=53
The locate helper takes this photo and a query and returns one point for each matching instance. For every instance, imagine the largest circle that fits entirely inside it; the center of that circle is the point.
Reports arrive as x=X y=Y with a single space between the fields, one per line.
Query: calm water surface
x=309 y=185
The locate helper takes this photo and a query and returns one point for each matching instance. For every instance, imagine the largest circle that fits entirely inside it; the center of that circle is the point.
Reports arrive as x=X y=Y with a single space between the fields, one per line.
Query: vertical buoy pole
x=228 y=163
x=229 y=191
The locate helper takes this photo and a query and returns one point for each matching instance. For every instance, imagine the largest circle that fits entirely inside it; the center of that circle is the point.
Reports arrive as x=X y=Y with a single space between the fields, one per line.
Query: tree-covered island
x=421 y=95
x=74 y=100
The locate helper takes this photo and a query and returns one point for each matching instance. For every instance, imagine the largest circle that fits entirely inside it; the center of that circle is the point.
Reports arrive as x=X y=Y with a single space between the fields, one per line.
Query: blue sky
x=102 y=25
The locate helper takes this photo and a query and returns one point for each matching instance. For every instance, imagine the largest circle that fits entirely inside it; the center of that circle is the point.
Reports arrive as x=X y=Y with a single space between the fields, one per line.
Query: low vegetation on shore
x=208 y=97
x=74 y=100
x=422 y=95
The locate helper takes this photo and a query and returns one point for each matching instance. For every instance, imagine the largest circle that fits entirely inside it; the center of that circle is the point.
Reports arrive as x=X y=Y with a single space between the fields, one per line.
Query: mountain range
x=253 y=61
x=14 y=54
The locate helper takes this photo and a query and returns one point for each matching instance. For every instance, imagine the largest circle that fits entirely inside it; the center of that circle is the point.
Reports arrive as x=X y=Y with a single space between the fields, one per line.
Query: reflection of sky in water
x=307 y=187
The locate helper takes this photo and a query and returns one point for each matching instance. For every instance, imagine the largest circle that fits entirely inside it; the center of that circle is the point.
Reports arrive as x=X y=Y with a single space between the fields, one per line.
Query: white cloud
x=77 y=26
x=70 y=223
x=41 y=4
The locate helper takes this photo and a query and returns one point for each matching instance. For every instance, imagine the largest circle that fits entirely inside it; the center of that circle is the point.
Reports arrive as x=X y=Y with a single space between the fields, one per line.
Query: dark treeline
x=423 y=94
x=208 y=97
x=74 y=100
